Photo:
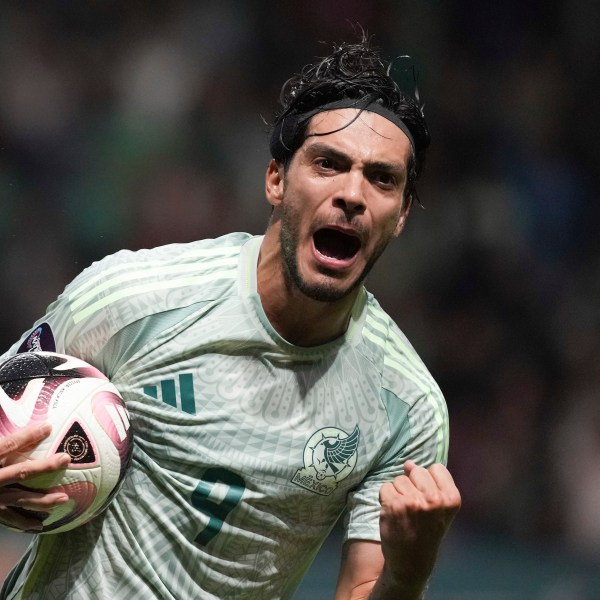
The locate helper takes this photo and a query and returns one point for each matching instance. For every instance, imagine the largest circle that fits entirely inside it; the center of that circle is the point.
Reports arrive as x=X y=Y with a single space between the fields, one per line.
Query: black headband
x=287 y=128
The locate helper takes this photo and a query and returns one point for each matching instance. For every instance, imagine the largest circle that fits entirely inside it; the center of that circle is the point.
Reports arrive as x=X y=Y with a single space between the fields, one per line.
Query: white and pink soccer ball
x=89 y=422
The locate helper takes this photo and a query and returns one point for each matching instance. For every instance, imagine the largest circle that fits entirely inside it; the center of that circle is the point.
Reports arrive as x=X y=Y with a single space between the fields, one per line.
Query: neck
x=297 y=318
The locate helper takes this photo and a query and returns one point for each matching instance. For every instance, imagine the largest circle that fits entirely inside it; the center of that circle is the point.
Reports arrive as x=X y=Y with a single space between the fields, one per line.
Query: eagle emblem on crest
x=329 y=457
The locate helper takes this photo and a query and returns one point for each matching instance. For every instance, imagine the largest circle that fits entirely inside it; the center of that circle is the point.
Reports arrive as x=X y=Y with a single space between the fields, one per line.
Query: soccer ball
x=89 y=422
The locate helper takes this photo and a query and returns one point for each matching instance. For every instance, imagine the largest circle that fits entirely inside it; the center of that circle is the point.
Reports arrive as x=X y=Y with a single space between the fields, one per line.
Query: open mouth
x=335 y=244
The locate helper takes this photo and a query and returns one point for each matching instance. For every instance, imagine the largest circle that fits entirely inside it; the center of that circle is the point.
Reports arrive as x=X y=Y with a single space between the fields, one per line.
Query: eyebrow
x=327 y=150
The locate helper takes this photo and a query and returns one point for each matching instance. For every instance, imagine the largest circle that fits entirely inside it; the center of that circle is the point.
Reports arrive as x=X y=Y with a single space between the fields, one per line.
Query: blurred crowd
x=134 y=124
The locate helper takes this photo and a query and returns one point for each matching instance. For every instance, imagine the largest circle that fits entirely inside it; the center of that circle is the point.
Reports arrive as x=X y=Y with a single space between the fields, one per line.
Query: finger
x=442 y=476
x=387 y=493
x=24 y=438
x=400 y=494
x=21 y=471
x=31 y=500
x=403 y=485
x=421 y=478
x=409 y=465
x=446 y=484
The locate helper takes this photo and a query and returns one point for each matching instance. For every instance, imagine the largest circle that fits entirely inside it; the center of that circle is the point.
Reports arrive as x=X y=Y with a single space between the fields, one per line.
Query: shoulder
x=130 y=286
x=159 y=261
x=409 y=392
x=163 y=277
x=402 y=370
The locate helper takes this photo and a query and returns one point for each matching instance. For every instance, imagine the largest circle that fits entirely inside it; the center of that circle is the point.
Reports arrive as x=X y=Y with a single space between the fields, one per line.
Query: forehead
x=363 y=133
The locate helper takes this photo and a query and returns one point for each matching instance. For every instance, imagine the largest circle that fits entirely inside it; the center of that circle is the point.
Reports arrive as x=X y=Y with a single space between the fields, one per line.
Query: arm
x=417 y=509
x=15 y=497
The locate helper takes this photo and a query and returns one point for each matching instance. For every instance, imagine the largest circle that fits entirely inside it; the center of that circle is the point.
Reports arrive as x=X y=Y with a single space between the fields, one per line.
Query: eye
x=327 y=164
x=384 y=179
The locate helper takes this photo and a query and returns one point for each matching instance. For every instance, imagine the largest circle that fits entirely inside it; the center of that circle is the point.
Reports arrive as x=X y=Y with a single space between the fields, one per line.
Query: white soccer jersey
x=247 y=448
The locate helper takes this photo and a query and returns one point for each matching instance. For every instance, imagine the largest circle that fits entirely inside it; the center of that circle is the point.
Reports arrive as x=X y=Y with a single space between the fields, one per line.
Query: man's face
x=341 y=202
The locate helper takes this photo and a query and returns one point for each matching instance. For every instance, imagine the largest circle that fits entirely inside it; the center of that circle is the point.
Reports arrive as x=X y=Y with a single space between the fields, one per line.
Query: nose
x=350 y=196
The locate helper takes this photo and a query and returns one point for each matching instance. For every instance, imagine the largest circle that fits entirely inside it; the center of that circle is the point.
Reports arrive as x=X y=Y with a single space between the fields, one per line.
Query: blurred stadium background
x=133 y=124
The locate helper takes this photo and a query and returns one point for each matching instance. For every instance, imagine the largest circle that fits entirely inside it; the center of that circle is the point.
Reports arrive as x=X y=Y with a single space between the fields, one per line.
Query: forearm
x=416 y=512
x=385 y=587
x=388 y=587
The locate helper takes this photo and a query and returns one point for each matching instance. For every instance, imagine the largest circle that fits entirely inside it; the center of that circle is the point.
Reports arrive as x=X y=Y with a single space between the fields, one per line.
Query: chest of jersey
x=306 y=427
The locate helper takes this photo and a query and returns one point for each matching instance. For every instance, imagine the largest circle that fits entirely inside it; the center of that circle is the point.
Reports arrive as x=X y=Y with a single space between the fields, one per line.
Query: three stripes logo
x=177 y=393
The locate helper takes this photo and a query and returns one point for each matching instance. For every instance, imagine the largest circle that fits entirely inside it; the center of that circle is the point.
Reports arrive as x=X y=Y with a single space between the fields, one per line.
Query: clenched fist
x=417 y=509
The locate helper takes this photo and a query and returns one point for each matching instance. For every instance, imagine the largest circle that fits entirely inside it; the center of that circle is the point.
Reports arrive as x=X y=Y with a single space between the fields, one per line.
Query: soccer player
x=268 y=390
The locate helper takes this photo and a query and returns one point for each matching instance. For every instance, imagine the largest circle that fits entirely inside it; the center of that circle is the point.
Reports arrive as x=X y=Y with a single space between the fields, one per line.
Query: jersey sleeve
x=417 y=430
x=128 y=287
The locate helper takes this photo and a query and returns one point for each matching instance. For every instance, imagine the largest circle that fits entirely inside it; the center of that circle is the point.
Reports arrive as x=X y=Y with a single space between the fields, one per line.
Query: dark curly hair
x=352 y=72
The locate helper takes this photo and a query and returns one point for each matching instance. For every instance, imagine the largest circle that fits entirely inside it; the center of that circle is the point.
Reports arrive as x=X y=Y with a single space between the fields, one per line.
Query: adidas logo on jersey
x=179 y=394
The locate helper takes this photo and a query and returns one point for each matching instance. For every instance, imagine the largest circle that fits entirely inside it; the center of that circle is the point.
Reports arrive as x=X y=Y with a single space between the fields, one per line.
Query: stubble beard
x=322 y=292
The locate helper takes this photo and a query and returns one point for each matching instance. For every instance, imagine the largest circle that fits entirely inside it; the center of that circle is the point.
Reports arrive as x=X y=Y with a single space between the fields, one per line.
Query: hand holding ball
x=89 y=422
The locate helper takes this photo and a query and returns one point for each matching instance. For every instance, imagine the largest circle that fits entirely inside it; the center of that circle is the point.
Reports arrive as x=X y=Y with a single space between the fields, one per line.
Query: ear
x=403 y=216
x=274 y=183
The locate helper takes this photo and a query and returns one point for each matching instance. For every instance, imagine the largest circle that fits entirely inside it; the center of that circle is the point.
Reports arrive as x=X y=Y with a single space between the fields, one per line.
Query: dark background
x=133 y=124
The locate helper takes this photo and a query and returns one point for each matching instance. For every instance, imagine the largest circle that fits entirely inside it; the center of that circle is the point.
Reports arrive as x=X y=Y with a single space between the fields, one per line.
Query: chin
x=320 y=283
x=326 y=291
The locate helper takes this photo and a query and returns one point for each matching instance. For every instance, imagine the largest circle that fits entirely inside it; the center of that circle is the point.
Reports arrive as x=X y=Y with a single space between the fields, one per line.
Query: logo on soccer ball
x=329 y=457
x=76 y=446
x=76 y=443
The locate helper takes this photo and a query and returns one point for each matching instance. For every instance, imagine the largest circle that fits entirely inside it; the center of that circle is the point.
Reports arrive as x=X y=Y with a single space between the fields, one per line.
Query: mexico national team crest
x=329 y=457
